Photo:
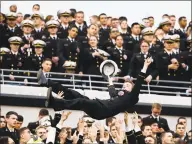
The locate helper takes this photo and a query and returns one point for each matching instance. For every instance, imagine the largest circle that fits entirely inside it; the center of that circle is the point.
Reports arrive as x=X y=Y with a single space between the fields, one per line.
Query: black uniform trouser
x=100 y=109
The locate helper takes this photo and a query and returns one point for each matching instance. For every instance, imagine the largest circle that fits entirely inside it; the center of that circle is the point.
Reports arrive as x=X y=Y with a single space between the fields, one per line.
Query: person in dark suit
x=110 y=43
x=155 y=116
x=182 y=32
x=80 y=23
x=120 y=56
x=9 y=130
x=181 y=131
x=51 y=44
x=172 y=19
x=84 y=40
x=33 y=125
x=107 y=108
x=137 y=62
x=134 y=39
x=10 y=29
x=69 y=53
x=27 y=38
x=104 y=29
x=38 y=31
x=34 y=62
x=13 y=60
x=64 y=17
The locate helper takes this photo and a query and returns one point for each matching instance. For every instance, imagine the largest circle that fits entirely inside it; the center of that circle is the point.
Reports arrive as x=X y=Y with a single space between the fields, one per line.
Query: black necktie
x=12 y=30
x=156 y=119
x=79 y=28
x=54 y=38
x=46 y=75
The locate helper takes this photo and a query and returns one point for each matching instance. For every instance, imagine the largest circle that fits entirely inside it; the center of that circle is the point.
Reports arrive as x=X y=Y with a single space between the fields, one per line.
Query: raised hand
x=65 y=115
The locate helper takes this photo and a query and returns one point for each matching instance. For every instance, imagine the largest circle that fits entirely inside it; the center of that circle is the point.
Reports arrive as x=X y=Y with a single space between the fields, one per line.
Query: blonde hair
x=157 y=106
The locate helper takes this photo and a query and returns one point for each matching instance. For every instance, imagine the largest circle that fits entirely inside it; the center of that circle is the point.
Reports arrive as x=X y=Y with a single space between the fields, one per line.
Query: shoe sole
x=49 y=94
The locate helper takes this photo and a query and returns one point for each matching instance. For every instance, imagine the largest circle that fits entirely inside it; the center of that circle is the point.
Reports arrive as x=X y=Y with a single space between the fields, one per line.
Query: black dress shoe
x=50 y=98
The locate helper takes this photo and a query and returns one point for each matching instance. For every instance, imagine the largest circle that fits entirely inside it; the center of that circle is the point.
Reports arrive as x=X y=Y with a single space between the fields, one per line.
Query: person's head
x=146 y=130
x=172 y=20
x=2 y=18
x=156 y=109
x=165 y=25
x=39 y=45
x=19 y=122
x=110 y=121
x=146 y=22
x=27 y=26
x=43 y=112
x=150 y=140
x=148 y=34
x=63 y=133
x=27 y=17
x=94 y=19
x=93 y=41
x=124 y=24
x=180 y=129
x=52 y=26
x=114 y=22
x=13 y=8
x=140 y=121
x=154 y=127
x=114 y=32
x=119 y=41
x=79 y=17
x=165 y=16
x=159 y=33
x=48 y=18
x=92 y=30
x=72 y=14
x=2 y=122
x=144 y=45
x=87 y=141
x=109 y=21
x=73 y=32
x=41 y=132
x=182 y=22
x=15 y=43
x=168 y=42
x=64 y=16
x=103 y=19
x=113 y=131
x=11 y=19
x=47 y=65
x=128 y=86
x=122 y=18
x=37 y=19
x=167 y=138
x=190 y=135
x=6 y=140
x=19 y=17
x=135 y=29
x=11 y=119
x=176 y=39
x=36 y=7
x=176 y=138
x=151 y=21
x=25 y=134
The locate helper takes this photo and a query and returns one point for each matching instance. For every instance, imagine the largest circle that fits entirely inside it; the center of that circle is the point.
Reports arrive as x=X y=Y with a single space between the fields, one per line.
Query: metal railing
x=77 y=81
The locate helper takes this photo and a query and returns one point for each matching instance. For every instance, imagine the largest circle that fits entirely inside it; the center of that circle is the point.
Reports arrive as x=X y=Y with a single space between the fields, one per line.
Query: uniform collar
x=158 y=117
x=38 y=29
x=64 y=26
x=78 y=25
x=52 y=36
x=15 y=53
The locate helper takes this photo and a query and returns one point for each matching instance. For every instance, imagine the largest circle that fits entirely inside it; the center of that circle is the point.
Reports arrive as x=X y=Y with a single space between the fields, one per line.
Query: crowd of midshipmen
x=75 y=47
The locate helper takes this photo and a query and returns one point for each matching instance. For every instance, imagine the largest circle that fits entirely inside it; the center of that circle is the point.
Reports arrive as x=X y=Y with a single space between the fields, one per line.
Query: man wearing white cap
x=34 y=62
x=38 y=31
x=64 y=17
x=165 y=25
x=10 y=29
x=51 y=43
x=14 y=60
x=27 y=37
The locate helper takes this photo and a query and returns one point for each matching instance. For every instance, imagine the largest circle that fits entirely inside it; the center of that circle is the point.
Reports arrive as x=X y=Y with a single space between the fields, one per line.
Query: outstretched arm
x=111 y=88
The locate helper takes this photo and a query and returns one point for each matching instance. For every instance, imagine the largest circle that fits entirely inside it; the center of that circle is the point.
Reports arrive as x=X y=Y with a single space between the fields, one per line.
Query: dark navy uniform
x=109 y=44
x=137 y=63
x=122 y=58
x=183 y=38
x=13 y=135
x=103 y=35
x=62 y=32
x=82 y=30
x=131 y=43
